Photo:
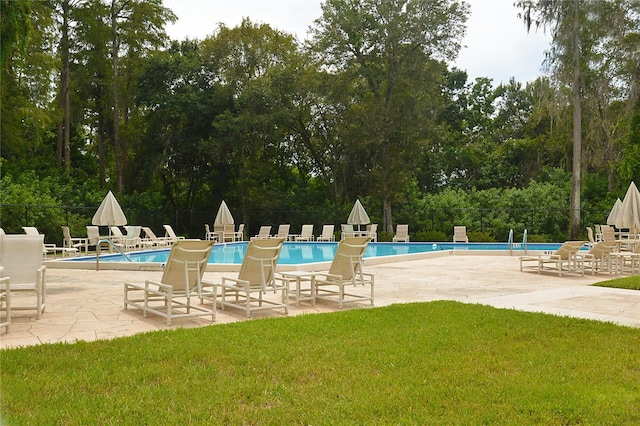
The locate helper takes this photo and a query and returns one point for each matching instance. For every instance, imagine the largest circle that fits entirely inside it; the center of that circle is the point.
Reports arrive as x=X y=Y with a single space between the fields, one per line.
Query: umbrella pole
x=98 y=255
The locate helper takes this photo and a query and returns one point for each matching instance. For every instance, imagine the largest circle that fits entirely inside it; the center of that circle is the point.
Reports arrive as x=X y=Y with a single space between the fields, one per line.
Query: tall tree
x=612 y=85
x=135 y=25
x=92 y=79
x=16 y=25
x=586 y=36
x=248 y=61
x=178 y=146
x=26 y=81
x=566 y=20
x=64 y=9
x=388 y=45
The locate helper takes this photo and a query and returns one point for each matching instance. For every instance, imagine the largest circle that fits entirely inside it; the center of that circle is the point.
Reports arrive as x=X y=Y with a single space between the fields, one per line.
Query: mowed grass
x=629 y=283
x=425 y=363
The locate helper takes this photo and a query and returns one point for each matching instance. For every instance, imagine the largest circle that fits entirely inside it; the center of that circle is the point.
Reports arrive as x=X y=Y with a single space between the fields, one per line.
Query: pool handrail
x=510 y=242
x=115 y=246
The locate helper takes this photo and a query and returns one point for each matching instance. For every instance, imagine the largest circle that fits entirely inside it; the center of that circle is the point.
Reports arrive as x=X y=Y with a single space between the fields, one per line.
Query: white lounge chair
x=229 y=233
x=48 y=248
x=402 y=234
x=170 y=234
x=21 y=261
x=590 y=236
x=629 y=261
x=5 y=301
x=93 y=235
x=371 y=232
x=347 y=231
x=306 y=234
x=563 y=260
x=608 y=233
x=283 y=231
x=151 y=240
x=132 y=240
x=327 y=233
x=239 y=235
x=117 y=237
x=255 y=279
x=600 y=258
x=77 y=243
x=209 y=235
x=263 y=234
x=5 y=295
x=345 y=270
x=181 y=284
x=598 y=232
x=218 y=231
x=460 y=234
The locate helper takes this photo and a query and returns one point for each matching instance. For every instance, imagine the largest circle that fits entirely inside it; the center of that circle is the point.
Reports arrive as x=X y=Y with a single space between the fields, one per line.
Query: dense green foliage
x=431 y=363
x=95 y=97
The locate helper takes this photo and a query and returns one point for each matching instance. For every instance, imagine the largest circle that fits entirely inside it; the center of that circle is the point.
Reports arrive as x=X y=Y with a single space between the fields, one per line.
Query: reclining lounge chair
x=460 y=234
x=402 y=234
x=181 y=283
x=600 y=258
x=563 y=260
x=327 y=233
x=21 y=263
x=345 y=270
x=255 y=279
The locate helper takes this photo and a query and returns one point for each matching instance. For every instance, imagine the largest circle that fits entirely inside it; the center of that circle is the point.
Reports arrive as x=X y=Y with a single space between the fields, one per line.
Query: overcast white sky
x=496 y=45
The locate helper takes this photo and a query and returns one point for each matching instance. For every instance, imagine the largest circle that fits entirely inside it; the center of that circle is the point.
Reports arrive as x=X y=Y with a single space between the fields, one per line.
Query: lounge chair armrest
x=208 y=288
x=328 y=276
x=157 y=288
x=236 y=283
x=586 y=256
x=209 y=284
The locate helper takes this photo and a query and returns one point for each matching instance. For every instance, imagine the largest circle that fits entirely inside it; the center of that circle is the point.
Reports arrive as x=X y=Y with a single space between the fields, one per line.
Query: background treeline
x=95 y=97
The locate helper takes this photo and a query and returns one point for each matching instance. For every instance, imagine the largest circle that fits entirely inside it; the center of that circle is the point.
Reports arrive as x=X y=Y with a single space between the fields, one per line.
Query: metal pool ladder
x=513 y=245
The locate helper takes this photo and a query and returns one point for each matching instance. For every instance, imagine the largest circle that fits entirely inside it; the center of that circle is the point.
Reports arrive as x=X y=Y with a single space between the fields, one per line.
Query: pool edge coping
x=318 y=266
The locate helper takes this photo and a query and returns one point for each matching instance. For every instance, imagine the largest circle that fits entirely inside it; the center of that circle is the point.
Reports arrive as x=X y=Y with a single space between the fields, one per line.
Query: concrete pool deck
x=87 y=304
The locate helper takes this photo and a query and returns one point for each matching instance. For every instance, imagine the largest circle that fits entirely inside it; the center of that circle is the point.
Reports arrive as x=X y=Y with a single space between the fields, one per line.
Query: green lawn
x=426 y=363
x=629 y=283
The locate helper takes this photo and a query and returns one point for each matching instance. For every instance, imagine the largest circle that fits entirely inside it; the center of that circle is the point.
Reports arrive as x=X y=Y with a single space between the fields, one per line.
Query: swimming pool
x=302 y=253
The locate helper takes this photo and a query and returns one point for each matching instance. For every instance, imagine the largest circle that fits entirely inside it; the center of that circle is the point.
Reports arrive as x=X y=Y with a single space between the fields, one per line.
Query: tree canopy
x=96 y=96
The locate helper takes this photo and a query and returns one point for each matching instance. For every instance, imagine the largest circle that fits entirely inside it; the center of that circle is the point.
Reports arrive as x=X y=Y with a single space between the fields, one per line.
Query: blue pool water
x=296 y=253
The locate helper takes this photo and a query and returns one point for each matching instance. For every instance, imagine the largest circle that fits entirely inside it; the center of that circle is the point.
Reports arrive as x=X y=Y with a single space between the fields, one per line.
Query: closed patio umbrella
x=109 y=213
x=615 y=212
x=358 y=215
x=224 y=216
x=629 y=216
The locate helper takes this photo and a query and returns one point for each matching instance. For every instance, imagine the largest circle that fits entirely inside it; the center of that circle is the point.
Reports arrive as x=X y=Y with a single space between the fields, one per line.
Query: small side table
x=300 y=278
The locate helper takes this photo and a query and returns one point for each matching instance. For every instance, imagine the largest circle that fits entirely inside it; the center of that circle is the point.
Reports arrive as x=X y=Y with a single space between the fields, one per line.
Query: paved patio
x=87 y=305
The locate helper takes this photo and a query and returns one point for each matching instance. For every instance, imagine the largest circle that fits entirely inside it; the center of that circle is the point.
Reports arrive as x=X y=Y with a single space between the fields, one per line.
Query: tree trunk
x=67 y=117
x=387 y=219
x=386 y=214
x=577 y=129
x=60 y=133
x=63 y=150
x=116 y=119
x=101 y=155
